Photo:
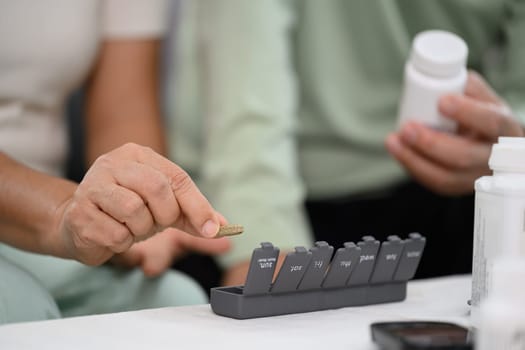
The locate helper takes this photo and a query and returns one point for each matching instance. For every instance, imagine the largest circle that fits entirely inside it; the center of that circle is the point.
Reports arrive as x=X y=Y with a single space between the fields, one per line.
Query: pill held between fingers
x=230 y=230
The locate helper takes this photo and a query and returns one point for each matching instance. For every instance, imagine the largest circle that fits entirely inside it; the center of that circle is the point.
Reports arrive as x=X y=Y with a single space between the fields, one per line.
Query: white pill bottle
x=502 y=314
x=499 y=218
x=436 y=66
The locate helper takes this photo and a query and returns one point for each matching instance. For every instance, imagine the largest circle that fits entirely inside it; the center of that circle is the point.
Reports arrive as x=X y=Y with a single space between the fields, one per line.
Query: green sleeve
x=250 y=169
x=22 y=297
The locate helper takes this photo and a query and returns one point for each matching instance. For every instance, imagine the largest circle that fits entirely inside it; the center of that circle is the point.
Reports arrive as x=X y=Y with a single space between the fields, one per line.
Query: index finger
x=194 y=207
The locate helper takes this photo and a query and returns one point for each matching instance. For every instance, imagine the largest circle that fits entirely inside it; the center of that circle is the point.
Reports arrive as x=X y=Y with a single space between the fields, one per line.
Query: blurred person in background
x=130 y=193
x=285 y=112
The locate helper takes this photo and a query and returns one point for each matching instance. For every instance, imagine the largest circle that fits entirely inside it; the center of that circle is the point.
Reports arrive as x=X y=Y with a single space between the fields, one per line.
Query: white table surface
x=197 y=327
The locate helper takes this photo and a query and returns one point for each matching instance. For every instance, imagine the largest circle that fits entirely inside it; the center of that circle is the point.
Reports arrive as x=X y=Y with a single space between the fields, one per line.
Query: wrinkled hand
x=450 y=163
x=128 y=195
x=158 y=253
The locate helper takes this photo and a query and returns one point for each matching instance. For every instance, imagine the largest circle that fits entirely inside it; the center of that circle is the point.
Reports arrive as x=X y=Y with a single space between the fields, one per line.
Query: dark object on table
x=420 y=336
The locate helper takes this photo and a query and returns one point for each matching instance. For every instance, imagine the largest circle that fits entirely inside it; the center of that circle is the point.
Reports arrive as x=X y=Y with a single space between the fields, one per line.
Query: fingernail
x=410 y=134
x=393 y=144
x=448 y=105
x=210 y=228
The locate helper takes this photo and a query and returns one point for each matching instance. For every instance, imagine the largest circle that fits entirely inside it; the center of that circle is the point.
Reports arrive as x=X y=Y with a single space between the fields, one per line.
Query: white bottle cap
x=508 y=154
x=439 y=53
x=508 y=279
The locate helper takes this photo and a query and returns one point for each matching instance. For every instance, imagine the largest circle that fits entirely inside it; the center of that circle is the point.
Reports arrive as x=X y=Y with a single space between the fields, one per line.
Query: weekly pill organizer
x=369 y=272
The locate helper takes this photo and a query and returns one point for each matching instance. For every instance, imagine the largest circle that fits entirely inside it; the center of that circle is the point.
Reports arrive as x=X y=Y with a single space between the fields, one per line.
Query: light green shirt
x=278 y=100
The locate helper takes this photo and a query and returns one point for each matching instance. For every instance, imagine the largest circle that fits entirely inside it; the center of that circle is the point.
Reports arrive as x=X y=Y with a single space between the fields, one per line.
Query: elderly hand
x=450 y=163
x=128 y=195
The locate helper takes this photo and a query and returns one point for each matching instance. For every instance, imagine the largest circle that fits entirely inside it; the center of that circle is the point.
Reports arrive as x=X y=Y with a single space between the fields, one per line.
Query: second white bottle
x=437 y=66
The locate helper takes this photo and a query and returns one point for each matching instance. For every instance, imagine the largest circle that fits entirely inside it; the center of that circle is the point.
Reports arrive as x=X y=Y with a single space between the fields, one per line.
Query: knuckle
x=119 y=236
x=81 y=238
x=77 y=218
x=132 y=150
x=84 y=228
x=130 y=147
x=103 y=160
x=146 y=150
x=168 y=218
x=92 y=192
x=181 y=182
x=133 y=206
x=92 y=257
x=137 y=151
x=158 y=186
x=144 y=230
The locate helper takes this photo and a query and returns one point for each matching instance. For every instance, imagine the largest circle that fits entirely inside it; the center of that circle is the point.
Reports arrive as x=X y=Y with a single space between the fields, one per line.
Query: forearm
x=29 y=201
x=122 y=98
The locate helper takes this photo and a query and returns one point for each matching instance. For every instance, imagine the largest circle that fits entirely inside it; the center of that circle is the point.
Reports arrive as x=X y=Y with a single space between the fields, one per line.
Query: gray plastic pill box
x=365 y=273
